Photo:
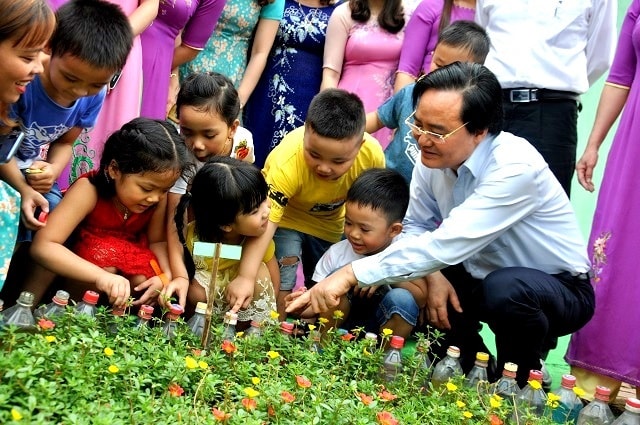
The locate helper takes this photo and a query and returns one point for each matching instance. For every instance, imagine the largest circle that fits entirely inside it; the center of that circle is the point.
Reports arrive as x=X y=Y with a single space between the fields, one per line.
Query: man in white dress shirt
x=488 y=226
x=546 y=53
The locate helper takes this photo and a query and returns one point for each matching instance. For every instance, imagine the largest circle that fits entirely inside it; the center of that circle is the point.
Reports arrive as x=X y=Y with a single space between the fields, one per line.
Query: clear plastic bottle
x=20 y=314
x=392 y=360
x=315 y=337
x=507 y=386
x=196 y=322
x=117 y=313
x=255 y=330
x=144 y=315
x=569 y=405
x=447 y=368
x=88 y=304
x=171 y=324
x=56 y=307
x=286 y=328
x=478 y=372
x=631 y=414
x=531 y=400
x=230 y=321
x=597 y=412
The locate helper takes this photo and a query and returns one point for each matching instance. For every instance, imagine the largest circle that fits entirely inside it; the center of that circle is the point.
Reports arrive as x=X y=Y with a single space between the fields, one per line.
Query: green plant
x=77 y=372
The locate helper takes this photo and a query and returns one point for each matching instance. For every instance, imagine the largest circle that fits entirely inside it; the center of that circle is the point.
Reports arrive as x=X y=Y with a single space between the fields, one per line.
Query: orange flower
x=220 y=415
x=249 y=403
x=196 y=352
x=495 y=420
x=347 y=337
x=366 y=399
x=287 y=397
x=302 y=381
x=271 y=411
x=175 y=389
x=386 y=418
x=387 y=396
x=45 y=324
x=228 y=347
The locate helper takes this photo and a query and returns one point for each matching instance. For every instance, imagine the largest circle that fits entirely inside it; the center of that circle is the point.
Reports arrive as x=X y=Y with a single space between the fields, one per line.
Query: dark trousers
x=525 y=308
x=552 y=128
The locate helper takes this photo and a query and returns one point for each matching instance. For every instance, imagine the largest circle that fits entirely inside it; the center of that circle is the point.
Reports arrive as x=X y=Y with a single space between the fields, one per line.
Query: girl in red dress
x=116 y=215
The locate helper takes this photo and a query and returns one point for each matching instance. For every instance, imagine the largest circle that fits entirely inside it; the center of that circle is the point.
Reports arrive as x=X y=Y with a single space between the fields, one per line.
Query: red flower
x=348 y=336
x=495 y=420
x=366 y=399
x=387 y=396
x=249 y=403
x=242 y=152
x=45 y=324
x=175 y=389
x=228 y=347
x=302 y=381
x=386 y=418
x=287 y=397
x=220 y=415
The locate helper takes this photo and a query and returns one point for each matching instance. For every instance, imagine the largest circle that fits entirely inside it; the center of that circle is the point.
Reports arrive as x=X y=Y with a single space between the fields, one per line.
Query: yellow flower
x=579 y=392
x=255 y=380
x=387 y=332
x=274 y=315
x=273 y=354
x=312 y=327
x=16 y=415
x=113 y=369
x=251 y=393
x=203 y=365
x=460 y=404
x=108 y=352
x=338 y=314
x=495 y=401
x=553 y=400
x=535 y=384
x=50 y=338
x=323 y=320
x=239 y=334
x=190 y=362
x=467 y=415
x=451 y=386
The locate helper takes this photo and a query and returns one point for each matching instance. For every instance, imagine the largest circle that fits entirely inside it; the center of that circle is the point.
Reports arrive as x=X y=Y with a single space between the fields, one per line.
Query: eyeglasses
x=436 y=137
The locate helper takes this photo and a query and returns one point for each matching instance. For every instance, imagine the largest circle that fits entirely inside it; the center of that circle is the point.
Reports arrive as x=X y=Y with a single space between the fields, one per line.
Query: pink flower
x=45 y=324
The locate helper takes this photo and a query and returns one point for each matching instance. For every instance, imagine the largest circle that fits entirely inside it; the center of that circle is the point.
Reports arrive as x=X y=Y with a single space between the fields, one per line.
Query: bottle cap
x=146 y=311
x=511 y=369
x=453 y=351
x=176 y=309
x=535 y=375
x=201 y=308
x=61 y=297
x=286 y=327
x=371 y=336
x=603 y=393
x=397 y=342
x=256 y=324
x=26 y=298
x=568 y=381
x=91 y=297
x=42 y=217
x=632 y=405
x=482 y=357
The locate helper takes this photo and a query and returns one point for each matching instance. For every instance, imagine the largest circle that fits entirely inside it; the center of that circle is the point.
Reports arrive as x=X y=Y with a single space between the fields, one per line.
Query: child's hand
x=179 y=286
x=294 y=295
x=240 y=293
x=151 y=288
x=30 y=201
x=366 y=292
x=41 y=176
x=115 y=286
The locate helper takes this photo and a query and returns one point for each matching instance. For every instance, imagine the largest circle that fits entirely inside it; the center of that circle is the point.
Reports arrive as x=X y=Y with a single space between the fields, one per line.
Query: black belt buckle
x=523 y=95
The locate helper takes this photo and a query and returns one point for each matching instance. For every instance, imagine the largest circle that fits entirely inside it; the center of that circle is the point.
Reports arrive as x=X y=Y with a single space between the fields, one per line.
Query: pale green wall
x=583 y=201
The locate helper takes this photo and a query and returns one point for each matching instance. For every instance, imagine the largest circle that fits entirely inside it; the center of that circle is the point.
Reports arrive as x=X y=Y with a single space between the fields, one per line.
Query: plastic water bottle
x=316 y=346
x=392 y=360
x=88 y=304
x=478 y=372
x=117 y=313
x=255 y=330
x=447 y=368
x=144 y=315
x=569 y=405
x=171 y=325
x=20 y=314
x=631 y=414
x=597 y=412
x=531 y=400
x=230 y=321
x=196 y=322
x=507 y=386
x=56 y=307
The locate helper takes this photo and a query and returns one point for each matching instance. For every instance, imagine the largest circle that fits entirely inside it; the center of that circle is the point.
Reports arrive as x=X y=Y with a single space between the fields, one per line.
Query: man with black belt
x=488 y=227
x=546 y=53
